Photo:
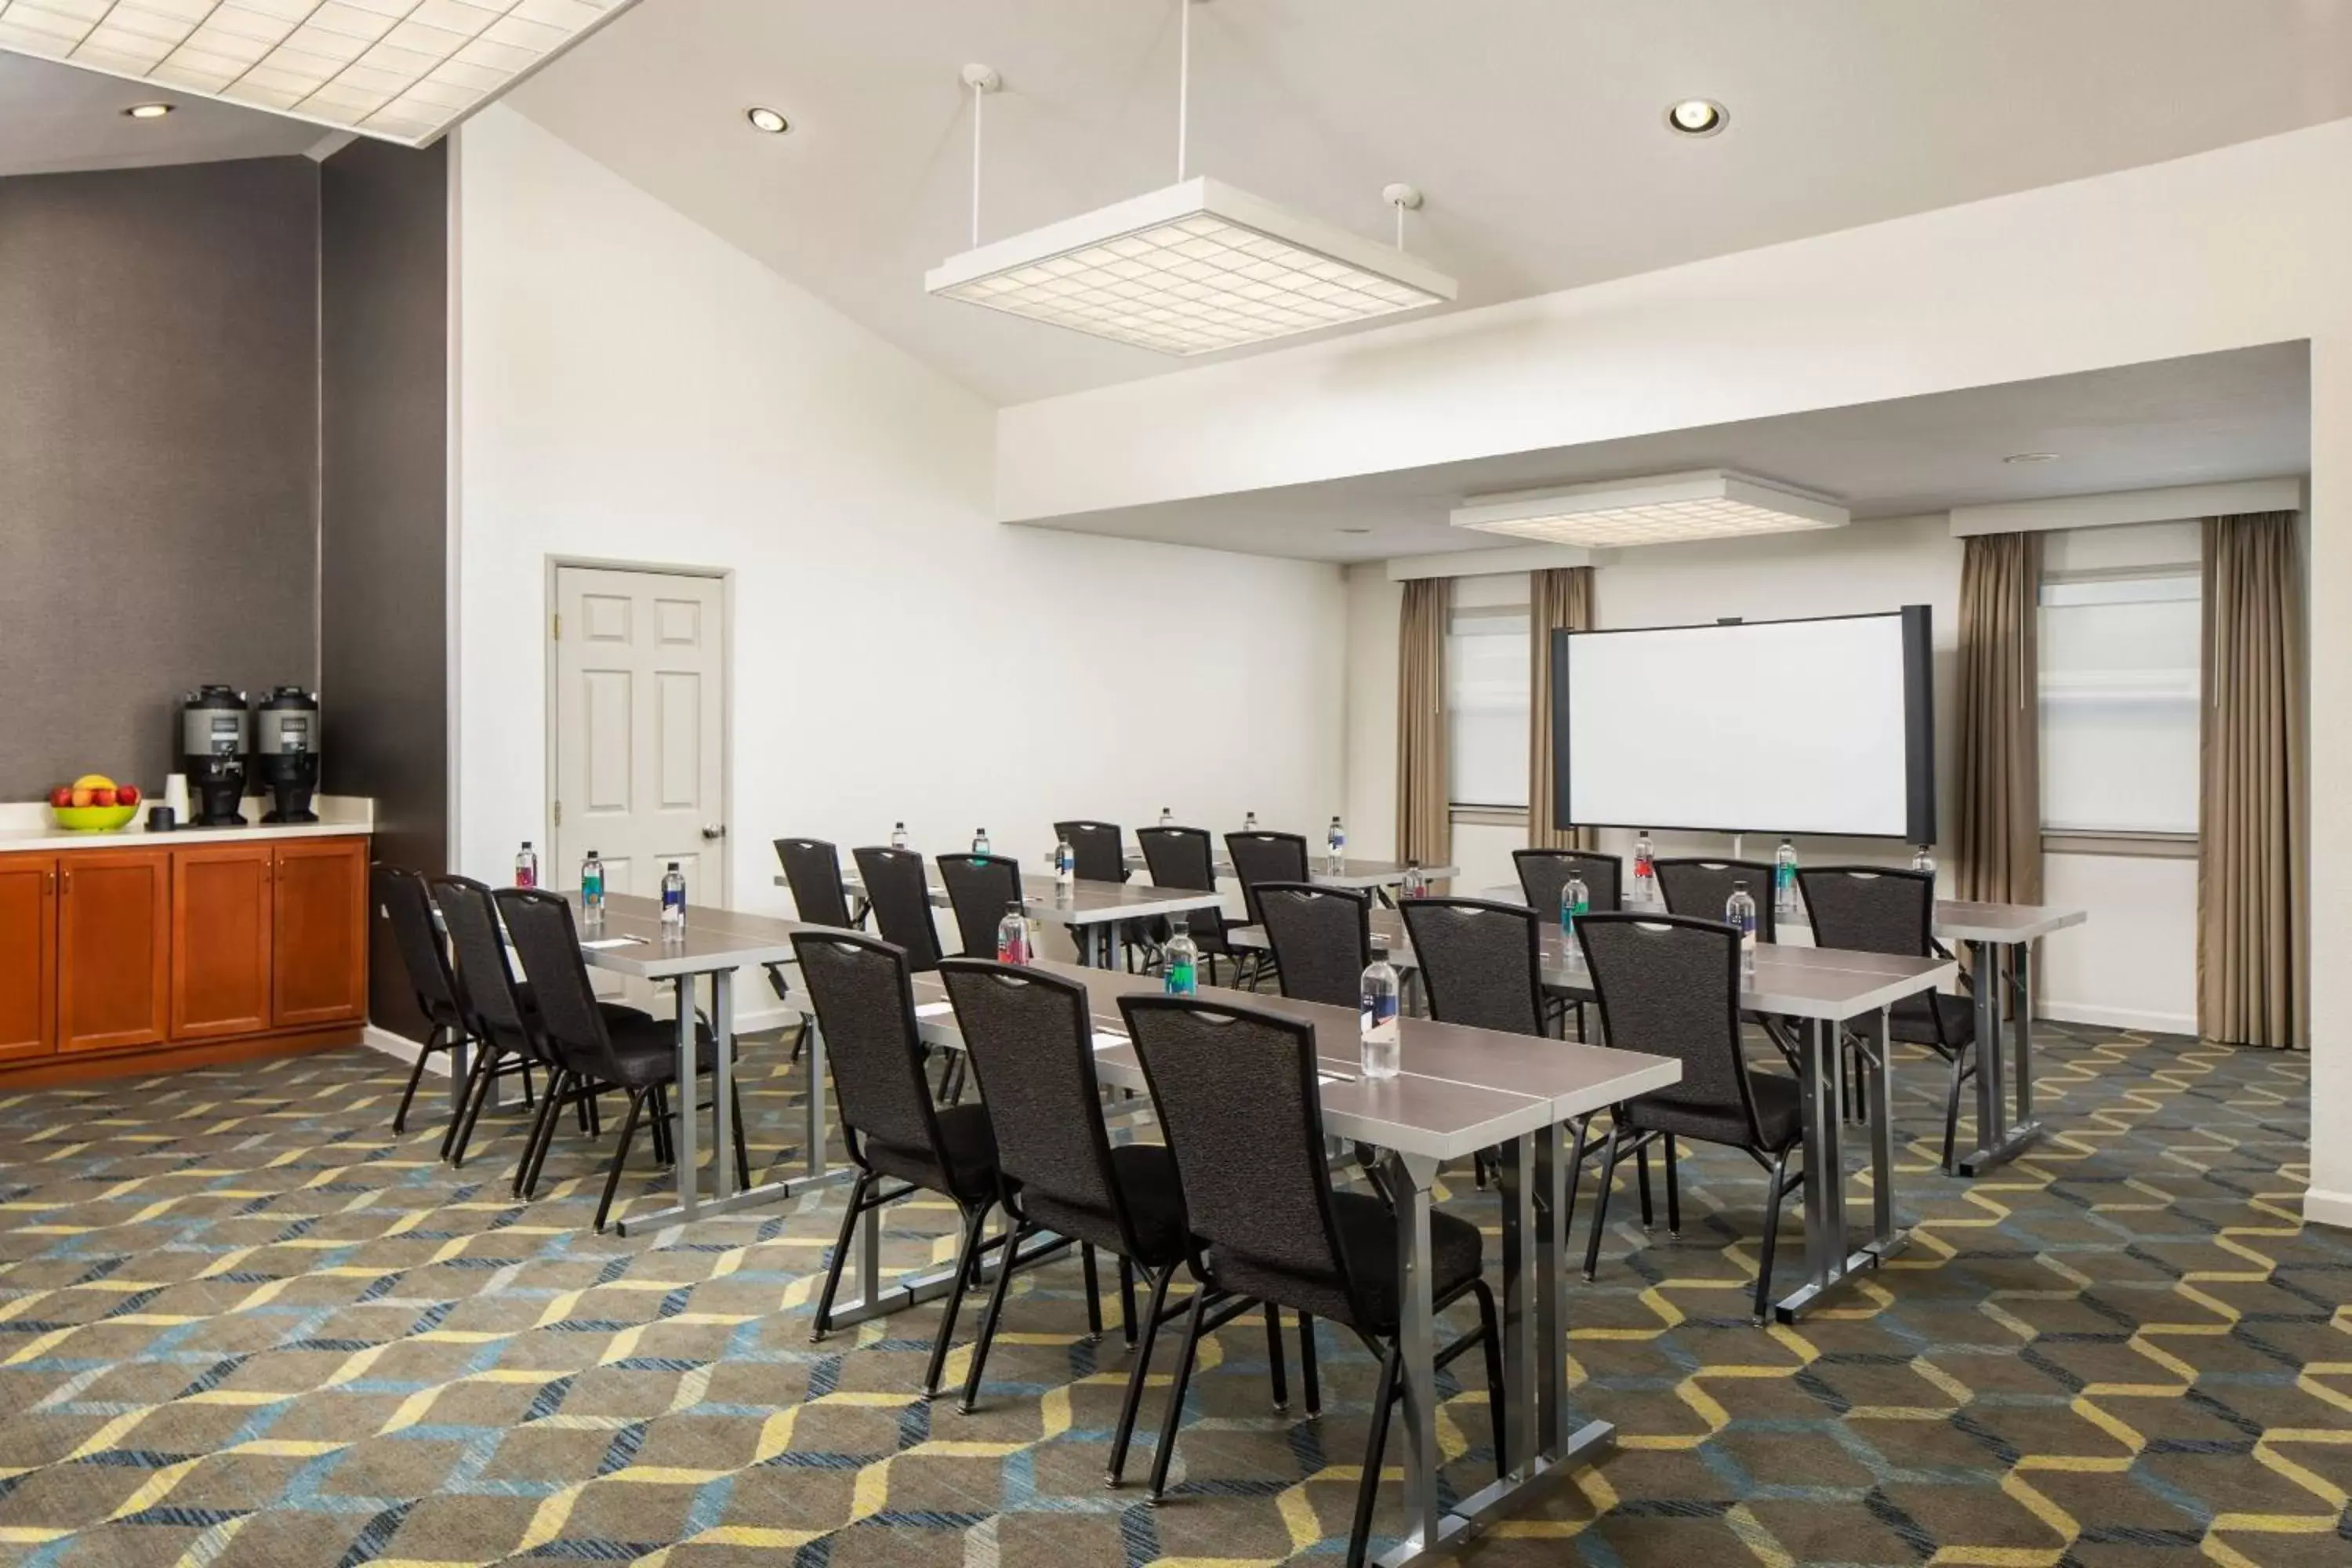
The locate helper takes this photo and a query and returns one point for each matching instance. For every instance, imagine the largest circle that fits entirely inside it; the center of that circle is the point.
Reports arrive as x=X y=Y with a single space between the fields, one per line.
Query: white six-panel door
x=640 y=729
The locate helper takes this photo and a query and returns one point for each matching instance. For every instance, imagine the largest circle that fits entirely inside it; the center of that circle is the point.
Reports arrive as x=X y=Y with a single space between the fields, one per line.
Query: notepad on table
x=603 y=943
x=1105 y=1039
x=933 y=1009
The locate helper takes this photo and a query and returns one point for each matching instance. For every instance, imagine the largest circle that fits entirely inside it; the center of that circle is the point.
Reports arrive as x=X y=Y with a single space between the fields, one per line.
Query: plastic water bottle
x=1249 y=822
x=1167 y=817
x=1012 y=935
x=1784 y=878
x=1740 y=912
x=1415 y=885
x=1066 y=864
x=897 y=835
x=1575 y=902
x=1922 y=858
x=1335 y=843
x=526 y=865
x=1376 y=1015
x=1645 y=869
x=1181 y=960
x=674 y=898
x=980 y=841
x=592 y=887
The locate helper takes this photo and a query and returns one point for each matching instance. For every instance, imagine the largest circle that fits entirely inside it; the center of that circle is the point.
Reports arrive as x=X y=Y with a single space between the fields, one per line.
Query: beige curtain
x=1998 y=823
x=1425 y=829
x=2253 y=974
x=1559 y=599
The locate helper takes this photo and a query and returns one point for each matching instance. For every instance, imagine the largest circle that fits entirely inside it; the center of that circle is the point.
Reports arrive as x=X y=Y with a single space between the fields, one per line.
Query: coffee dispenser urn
x=286 y=753
x=215 y=731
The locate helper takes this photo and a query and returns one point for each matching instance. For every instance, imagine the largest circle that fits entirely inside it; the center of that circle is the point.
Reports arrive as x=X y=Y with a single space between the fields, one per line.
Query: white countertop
x=26 y=825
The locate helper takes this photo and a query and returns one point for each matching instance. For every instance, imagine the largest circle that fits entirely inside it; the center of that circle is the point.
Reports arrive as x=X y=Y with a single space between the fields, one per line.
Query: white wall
x=634 y=388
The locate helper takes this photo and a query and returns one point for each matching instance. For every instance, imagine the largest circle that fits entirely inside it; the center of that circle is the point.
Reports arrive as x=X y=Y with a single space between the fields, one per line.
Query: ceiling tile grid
x=403 y=70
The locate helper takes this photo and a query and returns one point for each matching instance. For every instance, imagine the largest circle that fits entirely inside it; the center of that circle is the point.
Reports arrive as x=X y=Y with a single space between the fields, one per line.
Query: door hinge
x=558 y=814
x=559 y=625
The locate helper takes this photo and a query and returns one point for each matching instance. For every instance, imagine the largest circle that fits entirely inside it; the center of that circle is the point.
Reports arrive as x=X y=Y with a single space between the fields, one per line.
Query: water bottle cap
x=526 y=843
x=591 y=854
x=673 y=864
x=1739 y=886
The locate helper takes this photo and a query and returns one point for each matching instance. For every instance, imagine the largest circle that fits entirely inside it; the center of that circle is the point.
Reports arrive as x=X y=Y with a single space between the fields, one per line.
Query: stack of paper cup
x=175 y=796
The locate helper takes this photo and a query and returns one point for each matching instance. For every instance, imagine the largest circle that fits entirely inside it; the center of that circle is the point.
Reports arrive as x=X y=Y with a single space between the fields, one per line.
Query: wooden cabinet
x=28 y=956
x=222 y=932
x=115 y=947
x=319 y=946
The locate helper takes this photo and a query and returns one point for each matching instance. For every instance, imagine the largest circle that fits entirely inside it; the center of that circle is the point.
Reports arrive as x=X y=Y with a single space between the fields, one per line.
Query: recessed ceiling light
x=767 y=120
x=2030 y=458
x=1697 y=117
x=148 y=110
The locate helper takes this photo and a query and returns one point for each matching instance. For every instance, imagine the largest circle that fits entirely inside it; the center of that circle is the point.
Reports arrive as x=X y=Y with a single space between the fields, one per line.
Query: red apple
x=126 y=795
x=61 y=796
x=102 y=797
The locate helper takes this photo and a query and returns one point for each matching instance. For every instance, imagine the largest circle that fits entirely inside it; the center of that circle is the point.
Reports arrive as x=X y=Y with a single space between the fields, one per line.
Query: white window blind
x=2120 y=694
x=1487 y=705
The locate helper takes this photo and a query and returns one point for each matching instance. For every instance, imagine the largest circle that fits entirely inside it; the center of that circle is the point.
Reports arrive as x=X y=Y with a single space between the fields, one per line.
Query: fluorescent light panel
x=1190 y=269
x=1708 y=504
x=403 y=70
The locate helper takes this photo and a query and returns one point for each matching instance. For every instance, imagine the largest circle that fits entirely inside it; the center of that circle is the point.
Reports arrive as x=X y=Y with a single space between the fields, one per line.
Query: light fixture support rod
x=982 y=80
x=1404 y=198
x=1184 y=81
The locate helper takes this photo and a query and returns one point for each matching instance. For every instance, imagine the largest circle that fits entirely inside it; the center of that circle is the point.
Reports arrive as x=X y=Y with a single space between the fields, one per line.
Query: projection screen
x=1819 y=726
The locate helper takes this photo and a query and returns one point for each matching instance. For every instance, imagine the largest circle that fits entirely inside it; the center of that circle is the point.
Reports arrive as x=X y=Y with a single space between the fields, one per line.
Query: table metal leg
x=722 y=1085
x=816 y=1129
x=1828 y=1262
x=1999 y=1139
x=1410 y=1180
x=1522 y=1286
x=1886 y=1238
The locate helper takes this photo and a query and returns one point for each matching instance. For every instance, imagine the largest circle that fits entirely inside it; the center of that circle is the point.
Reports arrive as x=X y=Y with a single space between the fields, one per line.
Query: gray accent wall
x=159 y=455
x=383 y=622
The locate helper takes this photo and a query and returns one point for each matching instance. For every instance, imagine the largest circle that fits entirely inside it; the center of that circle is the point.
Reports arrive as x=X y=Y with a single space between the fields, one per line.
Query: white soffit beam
x=1486 y=563
x=399 y=71
x=2172 y=503
x=1663 y=509
x=1191 y=268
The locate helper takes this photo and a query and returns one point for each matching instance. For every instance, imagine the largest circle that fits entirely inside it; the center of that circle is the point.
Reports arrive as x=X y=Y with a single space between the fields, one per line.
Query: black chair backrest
x=1180 y=858
x=1266 y=857
x=899 y=894
x=1098 y=848
x=1544 y=872
x=813 y=868
x=1669 y=985
x=1030 y=1035
x=406 y=903
x=1236 y=1093
x=1871 y=908
x=485 y=983
x=1321 y=937
x=1700 y=888
x=1481 y=963
x=979 y=888
x=571 y=1025
x=864 y=1000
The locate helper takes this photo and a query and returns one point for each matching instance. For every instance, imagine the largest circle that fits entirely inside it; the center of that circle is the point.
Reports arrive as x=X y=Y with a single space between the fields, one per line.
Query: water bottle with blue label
x=1739 y=914
x=1249 y=822
x=673 y=913
x=1335 y=844
x=1066 y=864
x=592 y=887
x=1180 y=960
x=1377 y=1016
x=897 y=835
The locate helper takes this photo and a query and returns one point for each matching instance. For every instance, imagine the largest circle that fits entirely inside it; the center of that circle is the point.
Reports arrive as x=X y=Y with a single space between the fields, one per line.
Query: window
x=2120 y=690
x=1487 y=705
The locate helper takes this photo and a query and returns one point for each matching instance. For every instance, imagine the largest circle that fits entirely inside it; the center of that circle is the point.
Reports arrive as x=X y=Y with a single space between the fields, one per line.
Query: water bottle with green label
x=1181 y=960
x=592 y=887
x=1575 y=900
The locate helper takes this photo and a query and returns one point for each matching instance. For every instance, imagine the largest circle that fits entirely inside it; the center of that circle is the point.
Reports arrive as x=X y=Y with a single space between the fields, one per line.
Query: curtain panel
x=1996 y=856
x=1424 y=828
x=1558 y=599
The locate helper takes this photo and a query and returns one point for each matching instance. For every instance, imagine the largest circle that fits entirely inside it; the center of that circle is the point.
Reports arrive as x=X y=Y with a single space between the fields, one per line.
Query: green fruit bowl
x=92 y=818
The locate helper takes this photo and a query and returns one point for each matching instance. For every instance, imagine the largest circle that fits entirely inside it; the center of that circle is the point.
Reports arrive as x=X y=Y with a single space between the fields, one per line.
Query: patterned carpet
x=240 y=1323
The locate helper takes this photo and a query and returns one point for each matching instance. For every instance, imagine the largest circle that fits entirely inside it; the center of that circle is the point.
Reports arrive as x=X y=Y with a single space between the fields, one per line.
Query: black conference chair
x=1874 y=908
x=1669 y=985
x=899 y=894
x=813 y=869
x=1322 y=939
x=405 y=902
x=1263 y=856
x=1030 y=1037
x=1180 y=857
x=1544 y=872
x=1236 y=1093
x=865 y=1002
x=981 y=887
x=496 y=1009
x=598 y=1048
x=1698 y=889
x=1098 y=848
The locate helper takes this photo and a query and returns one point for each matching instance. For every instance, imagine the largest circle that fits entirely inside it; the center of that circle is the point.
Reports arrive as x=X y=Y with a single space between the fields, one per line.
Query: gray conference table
x=1096 y=908
x=1461 y=1090
x=1350 y=873
x=2000 y=939
x=1825 y=987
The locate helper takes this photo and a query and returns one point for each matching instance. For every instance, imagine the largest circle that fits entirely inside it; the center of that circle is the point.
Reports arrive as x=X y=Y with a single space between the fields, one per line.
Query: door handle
x=714 y=830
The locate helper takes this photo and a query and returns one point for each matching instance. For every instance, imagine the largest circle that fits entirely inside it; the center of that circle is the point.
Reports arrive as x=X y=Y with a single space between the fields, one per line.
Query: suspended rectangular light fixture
x=1189 y=270
x=1709 y=504
x=400 y=70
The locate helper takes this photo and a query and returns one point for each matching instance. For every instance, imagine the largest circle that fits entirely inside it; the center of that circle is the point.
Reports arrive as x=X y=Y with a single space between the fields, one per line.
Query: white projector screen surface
x=1797 y=726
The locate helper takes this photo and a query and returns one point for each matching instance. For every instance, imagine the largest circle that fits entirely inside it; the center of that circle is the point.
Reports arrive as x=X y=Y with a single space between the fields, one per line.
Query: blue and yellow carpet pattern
x=241 y=1323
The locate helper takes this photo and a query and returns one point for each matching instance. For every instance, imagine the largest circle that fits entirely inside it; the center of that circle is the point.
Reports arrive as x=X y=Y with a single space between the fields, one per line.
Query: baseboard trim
x=2118 y=1017
x=748 y=1023
x=401 y=1046
x=2327 y=1208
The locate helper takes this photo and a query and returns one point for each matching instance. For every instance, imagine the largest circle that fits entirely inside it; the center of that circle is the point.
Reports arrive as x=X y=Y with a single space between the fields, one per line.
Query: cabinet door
x=115 y=947
x=221 y=939
x=28 y=956
x=320 y=966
